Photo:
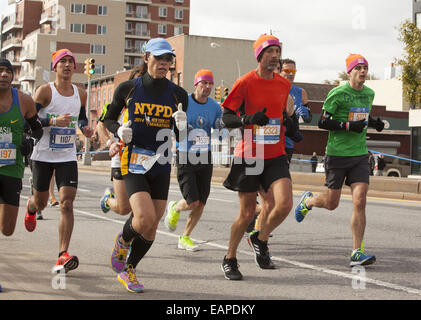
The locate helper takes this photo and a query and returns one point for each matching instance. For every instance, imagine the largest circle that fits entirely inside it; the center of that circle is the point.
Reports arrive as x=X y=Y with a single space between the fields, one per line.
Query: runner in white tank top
x=61 y=107
x=64 y=148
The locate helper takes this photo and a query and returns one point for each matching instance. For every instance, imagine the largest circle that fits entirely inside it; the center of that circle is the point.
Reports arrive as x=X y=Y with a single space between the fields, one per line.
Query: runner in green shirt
x=346 y=114
x=15 y=108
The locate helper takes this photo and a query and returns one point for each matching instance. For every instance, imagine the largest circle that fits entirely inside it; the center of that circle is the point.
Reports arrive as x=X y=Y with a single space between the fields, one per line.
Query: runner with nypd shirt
x=155 y=104
x=346 y=114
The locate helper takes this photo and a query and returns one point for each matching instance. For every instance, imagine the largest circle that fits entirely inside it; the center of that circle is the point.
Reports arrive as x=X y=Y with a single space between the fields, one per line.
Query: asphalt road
x=312 y=257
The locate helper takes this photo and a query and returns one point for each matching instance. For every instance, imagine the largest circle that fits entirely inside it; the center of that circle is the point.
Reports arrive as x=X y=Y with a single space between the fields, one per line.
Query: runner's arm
x=30 y=114
x=181 y=97
x=325 y=122
x=117 y=105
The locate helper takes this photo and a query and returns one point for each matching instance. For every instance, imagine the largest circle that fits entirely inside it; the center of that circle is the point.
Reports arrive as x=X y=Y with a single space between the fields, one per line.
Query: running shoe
x=53 y=203
x=230 y=269
x=301 y=210
x=261 y=250
x=119 y=255
x=39 y=215
x=109 y=193
x=129 y=280
x=185 y=242
x=172 y=216
x=30 y=219
x=66 y=262
x=359 y=258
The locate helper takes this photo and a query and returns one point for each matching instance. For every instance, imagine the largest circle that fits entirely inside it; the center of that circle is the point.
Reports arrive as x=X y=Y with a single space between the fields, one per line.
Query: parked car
x=397 y=167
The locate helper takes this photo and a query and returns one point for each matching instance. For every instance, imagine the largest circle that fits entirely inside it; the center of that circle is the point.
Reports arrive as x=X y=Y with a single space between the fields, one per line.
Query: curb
x=380 y=187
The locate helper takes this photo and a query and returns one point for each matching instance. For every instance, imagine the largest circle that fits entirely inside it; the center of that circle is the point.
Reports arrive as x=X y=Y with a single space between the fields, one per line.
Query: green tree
x=410 y=36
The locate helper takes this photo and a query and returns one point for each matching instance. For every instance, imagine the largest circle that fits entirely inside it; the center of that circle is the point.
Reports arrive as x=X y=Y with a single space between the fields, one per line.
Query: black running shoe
x=260 y=248
x=230 y=269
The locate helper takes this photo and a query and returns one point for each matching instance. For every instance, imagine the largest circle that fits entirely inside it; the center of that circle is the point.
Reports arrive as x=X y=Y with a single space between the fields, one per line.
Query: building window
x=53 y=46
x=162 y=29
x=99 y=69
x=78 y=8
x=179 y=1
x=418 y=20
x=178 y=14
x=128 y=44
x=162 y=12
x=178 y=30
x=101 y=29
x=97 y=49
x=102 y=10
x=141 y=12
x=77 y=27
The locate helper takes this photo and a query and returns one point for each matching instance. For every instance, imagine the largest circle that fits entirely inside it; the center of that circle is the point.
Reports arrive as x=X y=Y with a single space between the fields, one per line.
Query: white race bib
x=62 y=139
x=142 y=160
x=358 y=113
x=268 y=134
x=7 y=154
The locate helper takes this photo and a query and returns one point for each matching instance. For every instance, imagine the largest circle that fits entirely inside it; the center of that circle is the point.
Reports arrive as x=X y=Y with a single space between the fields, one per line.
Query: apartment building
x=14 y=28
x=112 y=32
x=146 y=19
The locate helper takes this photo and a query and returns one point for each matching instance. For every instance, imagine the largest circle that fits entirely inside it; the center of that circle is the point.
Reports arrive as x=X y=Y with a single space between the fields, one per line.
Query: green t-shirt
x=11 y=132
x=345 y=103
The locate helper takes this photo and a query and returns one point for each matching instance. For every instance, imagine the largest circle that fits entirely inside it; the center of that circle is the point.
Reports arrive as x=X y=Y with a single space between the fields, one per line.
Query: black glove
x=376 y=124
x=26 y=146
x=290 y=124
x=356 y=126
x=259 y=118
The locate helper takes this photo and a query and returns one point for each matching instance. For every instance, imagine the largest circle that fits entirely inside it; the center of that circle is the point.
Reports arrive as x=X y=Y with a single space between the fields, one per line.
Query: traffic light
x=89 y=67
x=218 y=93
x=225 y=94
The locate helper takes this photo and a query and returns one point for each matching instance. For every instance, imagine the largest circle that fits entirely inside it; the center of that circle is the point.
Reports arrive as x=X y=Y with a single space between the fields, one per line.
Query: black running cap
x=6 y=63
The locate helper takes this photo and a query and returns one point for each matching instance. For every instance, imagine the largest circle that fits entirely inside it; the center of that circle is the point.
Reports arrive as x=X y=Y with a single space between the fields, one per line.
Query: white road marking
x=380 y=283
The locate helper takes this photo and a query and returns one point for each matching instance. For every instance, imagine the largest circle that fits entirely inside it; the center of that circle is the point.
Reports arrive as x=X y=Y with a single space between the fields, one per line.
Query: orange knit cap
x=203 y=75
x=353 y=59
x=57 y=55
x=264 y=41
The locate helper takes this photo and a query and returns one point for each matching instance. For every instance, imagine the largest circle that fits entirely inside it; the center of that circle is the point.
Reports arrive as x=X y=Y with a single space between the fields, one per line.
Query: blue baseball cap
x=158 y=46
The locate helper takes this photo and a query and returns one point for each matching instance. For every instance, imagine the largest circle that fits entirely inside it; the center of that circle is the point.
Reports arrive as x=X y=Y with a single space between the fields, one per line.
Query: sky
x=317 y=34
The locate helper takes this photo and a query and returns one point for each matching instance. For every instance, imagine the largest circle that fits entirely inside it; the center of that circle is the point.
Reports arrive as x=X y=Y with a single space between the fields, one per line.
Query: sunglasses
x=293 y=71
x=166 y=57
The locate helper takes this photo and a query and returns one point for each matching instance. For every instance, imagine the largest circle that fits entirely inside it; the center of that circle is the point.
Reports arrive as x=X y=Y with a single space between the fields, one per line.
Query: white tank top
x=58 y=144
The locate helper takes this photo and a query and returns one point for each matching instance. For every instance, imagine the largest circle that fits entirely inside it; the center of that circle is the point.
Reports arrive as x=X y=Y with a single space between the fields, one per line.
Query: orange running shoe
x=30 y=219
x=66 y=262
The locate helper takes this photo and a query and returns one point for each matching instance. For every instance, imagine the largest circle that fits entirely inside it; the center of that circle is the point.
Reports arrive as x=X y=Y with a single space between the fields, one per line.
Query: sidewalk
x=382 y=187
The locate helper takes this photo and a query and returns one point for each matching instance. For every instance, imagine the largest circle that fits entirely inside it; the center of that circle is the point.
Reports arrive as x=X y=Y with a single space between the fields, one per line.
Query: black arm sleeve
x=121 y=94
x=325 y=122
x=230 y=119
x=36 y=126
x=82 y=120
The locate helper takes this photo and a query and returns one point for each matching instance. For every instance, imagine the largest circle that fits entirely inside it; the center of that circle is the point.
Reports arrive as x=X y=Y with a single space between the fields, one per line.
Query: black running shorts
x=157 y=185
x=273 y=169
x=346 y=169
x=10 y=189
x=65 y=173
x=195 y=181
